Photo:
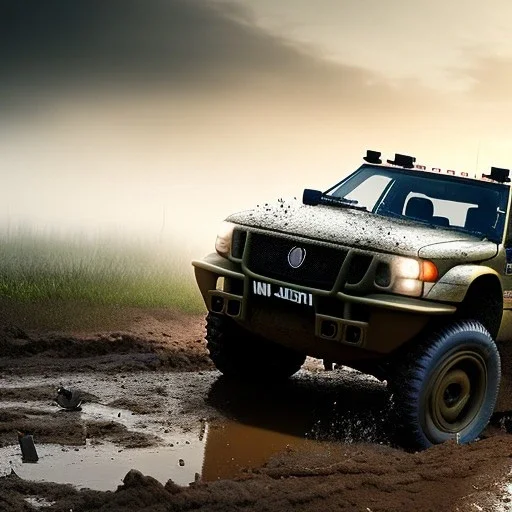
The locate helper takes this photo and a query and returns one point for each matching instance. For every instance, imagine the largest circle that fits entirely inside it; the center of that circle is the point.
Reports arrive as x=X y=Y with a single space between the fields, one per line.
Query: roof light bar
x=498 y=174
x=403 y=161
x=372 y=157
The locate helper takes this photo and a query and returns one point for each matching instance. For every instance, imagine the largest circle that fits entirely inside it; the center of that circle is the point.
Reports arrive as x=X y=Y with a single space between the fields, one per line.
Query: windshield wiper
x=339 y=201
x=314 y=197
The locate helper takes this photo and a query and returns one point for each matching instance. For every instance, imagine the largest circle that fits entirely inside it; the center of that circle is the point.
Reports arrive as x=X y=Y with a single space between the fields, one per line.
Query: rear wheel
x=447 y=386
x=240 y=354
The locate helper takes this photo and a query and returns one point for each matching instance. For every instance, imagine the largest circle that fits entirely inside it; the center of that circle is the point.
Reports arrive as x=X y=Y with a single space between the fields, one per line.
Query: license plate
x=281 y=292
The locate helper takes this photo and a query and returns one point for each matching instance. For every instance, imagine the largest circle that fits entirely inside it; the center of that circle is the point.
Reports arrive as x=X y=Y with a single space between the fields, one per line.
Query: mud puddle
x=323 y=440
x=304 y=415
x=98 y=463
x=246 y=427
x=233 y=448
x=226 y=450
x=317 y=407
x=102 y=467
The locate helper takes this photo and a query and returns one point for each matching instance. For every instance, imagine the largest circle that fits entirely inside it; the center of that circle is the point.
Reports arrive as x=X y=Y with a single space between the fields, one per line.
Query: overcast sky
x=435 y=42
x=163 y=116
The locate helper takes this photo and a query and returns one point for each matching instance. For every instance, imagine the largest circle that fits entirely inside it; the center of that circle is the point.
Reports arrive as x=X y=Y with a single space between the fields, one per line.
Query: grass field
x=40 y=266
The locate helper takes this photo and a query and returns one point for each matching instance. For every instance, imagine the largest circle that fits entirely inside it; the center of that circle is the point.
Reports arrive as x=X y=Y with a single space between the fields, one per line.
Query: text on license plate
x=267 y=290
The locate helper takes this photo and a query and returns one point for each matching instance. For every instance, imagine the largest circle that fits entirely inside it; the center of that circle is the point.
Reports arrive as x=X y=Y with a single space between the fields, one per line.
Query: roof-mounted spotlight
x=498 y=174
x=403 y=161
x=372 y=157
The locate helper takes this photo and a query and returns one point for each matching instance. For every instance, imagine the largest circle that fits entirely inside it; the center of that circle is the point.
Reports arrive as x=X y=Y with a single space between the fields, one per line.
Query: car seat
x=440 y=221
x=420 y=208
x=481 y=219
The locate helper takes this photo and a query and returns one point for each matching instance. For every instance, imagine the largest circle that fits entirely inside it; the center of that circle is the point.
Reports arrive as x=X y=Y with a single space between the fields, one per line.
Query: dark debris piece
x=28 y=448
x=69 y=399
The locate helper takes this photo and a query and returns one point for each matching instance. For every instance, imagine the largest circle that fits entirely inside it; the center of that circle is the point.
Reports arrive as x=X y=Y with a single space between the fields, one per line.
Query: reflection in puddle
x=225 y=451
x=263 y=422
x=232 y=447
x=298 y=415
x=102 y=467
x=321 y=408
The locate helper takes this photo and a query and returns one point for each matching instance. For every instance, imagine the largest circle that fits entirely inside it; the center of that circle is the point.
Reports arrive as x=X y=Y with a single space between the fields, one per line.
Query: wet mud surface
x=82 y=338
x=180 y=436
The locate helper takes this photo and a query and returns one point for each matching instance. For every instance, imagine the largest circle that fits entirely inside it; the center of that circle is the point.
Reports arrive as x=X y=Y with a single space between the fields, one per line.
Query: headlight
x=406 y=268
x=406 y=286
x=409 y=275
x=224 y=238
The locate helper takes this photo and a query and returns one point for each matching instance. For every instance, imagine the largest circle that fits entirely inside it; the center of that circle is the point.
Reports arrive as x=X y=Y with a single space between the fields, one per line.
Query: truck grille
x=268 y=256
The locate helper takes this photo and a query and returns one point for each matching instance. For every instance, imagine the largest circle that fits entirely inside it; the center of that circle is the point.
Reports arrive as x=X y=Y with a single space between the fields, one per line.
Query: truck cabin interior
x=447 y=202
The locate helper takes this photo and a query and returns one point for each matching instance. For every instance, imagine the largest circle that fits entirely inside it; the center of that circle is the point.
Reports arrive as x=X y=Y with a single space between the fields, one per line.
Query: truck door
x=506 y=280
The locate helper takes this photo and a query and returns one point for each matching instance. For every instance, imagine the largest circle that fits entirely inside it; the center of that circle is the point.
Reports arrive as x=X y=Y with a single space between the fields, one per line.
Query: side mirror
x=311 y=197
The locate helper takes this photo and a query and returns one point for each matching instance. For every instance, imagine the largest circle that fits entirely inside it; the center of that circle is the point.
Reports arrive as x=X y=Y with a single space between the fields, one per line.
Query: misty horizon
x=160 y=119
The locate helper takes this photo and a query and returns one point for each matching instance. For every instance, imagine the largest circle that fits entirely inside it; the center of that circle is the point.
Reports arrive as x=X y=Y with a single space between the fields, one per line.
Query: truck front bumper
x=229 y=290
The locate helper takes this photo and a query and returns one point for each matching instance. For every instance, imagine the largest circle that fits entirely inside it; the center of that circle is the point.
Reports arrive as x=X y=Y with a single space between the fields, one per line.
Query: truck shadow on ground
x=344 y=406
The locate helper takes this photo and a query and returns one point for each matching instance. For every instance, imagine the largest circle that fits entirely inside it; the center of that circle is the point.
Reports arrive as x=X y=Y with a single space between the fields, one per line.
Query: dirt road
x=160 y=429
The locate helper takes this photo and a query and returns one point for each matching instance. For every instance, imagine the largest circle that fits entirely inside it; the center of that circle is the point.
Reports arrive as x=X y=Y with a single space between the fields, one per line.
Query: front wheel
x=446 y=387
x=238 y=353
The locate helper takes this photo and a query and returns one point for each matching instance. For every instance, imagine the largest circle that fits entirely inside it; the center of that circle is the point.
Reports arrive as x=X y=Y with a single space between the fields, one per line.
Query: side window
x=508 y=238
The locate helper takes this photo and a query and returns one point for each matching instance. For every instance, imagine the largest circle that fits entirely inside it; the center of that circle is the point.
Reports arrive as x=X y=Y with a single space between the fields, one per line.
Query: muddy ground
x=160 y=429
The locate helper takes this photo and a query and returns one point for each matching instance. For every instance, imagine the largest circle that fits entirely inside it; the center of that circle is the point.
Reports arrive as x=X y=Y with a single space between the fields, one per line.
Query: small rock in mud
x=172 y=488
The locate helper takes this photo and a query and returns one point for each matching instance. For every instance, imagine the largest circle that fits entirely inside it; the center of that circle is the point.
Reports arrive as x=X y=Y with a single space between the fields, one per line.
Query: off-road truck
x=400 y=271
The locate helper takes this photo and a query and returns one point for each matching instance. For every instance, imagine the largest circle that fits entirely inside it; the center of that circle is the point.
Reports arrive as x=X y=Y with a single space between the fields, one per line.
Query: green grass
x=38 y=267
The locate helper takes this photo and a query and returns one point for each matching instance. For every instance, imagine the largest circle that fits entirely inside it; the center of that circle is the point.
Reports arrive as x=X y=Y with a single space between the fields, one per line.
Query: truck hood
x=365 y=230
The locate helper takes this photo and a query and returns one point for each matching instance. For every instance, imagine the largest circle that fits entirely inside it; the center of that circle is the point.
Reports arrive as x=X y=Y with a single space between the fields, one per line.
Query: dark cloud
x=186 y=45
x=186 y=40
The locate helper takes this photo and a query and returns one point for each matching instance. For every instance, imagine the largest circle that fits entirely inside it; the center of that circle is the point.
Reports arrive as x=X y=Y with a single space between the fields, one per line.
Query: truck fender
x=453 y=286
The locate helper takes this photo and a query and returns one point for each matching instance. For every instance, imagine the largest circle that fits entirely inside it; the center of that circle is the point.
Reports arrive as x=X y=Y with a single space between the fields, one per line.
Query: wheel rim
x=457 y=392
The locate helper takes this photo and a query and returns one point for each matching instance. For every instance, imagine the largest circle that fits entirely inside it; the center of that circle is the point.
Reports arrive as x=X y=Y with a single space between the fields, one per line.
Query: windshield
x=474 y=207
